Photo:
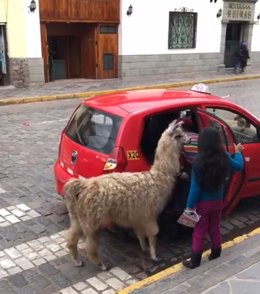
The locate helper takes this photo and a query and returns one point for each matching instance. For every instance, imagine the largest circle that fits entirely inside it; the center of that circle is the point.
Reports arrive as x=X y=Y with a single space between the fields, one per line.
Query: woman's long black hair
x=211 y=164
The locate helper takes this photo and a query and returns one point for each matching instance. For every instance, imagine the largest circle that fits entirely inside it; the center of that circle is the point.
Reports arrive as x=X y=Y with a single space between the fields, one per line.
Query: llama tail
x=71 y=191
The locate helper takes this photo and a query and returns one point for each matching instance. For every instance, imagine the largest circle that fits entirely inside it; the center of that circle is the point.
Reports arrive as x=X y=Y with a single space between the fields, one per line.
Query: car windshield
x=93 y=129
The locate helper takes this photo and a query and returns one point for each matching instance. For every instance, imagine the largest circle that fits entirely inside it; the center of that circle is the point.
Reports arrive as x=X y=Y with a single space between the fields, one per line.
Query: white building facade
x=20 y=44
x=176 y=37
x=167 y=37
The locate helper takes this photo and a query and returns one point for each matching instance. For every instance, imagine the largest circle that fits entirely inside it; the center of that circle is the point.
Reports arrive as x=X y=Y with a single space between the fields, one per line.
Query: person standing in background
x=242 y=57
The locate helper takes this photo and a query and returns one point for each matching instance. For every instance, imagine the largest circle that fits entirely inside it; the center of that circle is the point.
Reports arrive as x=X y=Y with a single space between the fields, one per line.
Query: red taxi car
x=119 y=132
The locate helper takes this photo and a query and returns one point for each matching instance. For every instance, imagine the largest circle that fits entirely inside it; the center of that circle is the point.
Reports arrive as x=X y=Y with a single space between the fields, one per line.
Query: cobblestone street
x=33 y=218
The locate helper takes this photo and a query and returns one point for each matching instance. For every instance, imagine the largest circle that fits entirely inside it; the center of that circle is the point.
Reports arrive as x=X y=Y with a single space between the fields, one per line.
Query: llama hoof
x=79 y=263
x=103 y=267
x=156 y=259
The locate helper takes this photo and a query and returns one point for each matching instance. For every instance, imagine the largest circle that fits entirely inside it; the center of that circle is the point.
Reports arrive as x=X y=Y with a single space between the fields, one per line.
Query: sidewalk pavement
x=237 y=271
x=83 y=88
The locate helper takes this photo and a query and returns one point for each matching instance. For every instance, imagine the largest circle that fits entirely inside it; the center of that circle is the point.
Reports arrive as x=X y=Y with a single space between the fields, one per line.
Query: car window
x=155 y=124
x=93 y=129
x=242 y=129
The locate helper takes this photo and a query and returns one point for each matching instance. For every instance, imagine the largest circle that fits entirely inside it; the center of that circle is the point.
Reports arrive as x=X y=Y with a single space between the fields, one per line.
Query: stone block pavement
x=236 y=271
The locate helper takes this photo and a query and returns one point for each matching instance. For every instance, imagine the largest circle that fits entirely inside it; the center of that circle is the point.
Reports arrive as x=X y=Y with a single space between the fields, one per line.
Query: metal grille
x=182 y=30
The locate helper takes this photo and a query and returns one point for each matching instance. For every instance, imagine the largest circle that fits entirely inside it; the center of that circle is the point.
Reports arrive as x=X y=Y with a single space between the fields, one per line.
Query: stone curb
x=22 y=100
x=138 y=286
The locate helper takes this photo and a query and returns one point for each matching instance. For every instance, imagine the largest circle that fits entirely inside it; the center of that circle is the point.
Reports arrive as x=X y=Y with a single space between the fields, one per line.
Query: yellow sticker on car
x=133 y=155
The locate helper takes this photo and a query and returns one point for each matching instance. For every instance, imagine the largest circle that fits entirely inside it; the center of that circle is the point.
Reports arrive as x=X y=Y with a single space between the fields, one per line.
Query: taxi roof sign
x=202 y=88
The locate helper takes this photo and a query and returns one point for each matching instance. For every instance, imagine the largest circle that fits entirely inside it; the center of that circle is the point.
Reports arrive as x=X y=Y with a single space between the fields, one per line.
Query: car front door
x=245 y=131
x=235 y=180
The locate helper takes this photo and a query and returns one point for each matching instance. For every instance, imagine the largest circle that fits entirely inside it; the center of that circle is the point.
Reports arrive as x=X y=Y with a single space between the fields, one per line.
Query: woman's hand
x=238 y=147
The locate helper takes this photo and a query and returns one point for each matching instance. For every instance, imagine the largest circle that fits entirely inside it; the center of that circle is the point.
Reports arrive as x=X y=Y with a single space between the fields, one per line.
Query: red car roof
x=124 y=102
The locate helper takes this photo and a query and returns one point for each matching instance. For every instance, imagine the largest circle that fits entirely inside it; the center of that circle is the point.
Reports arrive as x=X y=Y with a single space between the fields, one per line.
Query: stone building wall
x=168 y=64
x=25 y=72
x=175 y=65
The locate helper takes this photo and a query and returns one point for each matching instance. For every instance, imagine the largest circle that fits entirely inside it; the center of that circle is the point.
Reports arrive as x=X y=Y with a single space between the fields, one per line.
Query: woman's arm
x=236 y=162
x=194 y=192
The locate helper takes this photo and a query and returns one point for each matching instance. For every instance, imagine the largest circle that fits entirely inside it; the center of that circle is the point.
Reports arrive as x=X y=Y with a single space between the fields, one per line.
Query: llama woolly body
x=132 y=200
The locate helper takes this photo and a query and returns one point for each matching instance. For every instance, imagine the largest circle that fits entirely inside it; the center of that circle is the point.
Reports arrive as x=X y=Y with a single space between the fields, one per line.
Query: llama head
x=242 y=122
x=169 y=147
x=175 y=132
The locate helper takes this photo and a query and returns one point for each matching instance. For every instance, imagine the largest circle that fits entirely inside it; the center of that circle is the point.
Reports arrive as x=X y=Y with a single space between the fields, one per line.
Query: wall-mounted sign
x=239 y=11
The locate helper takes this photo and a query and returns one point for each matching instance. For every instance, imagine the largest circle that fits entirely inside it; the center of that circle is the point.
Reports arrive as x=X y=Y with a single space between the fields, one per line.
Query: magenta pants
x=209 y=223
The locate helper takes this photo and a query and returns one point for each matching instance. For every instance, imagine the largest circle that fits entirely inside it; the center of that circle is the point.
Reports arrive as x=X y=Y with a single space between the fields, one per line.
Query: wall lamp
x=219 y=13
x=258 y=16
x=129 y=10
x=32 y=6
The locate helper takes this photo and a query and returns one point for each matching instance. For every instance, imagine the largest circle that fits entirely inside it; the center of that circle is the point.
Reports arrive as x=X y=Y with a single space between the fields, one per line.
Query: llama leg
x=73 y=235
x=141 y=238
x=152 y=230
x=152 y=245
x=91 y=250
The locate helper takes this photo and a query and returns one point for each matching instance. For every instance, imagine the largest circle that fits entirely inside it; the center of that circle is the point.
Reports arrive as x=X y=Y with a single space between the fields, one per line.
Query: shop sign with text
x=239 y=11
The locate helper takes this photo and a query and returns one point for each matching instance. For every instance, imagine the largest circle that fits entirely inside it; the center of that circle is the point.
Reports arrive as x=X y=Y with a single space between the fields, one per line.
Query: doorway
x=64 y=57
x=79 y=50
x=233 y=37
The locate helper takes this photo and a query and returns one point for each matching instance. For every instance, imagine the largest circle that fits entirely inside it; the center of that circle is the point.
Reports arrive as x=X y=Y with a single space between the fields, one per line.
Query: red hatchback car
x=119 y=132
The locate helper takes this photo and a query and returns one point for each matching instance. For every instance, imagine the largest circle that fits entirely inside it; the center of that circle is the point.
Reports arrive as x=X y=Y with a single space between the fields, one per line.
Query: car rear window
x=93 y=129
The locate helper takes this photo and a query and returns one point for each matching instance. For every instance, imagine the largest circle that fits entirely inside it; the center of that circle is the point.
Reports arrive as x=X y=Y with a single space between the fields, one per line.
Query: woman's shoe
x=194 y=261
x=215 y=253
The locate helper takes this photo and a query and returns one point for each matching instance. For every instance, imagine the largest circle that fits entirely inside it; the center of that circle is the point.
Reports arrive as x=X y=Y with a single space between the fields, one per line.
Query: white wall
x=15 y=28
x=32 y=31
x=23 y=30
x=255 y=46
x=3 y=11
x=146 y=30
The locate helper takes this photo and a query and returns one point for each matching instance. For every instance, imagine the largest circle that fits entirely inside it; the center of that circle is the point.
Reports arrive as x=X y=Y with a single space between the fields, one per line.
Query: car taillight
x=116 y=161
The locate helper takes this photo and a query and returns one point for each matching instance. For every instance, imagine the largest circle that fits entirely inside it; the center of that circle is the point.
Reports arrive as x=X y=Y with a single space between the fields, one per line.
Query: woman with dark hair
x=209 y=171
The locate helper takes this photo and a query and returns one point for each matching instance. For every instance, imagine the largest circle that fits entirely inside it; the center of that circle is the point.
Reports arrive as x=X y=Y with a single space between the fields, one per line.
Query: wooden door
x=74 y=57
x=45 y=51
x=107 y=52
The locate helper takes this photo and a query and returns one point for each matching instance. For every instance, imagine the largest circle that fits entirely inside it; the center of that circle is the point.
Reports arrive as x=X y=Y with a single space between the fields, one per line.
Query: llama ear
x=174 y=128
x=247 y=124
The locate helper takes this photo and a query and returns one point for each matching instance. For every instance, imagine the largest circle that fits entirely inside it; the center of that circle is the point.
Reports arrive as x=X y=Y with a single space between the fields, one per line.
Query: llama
x=130 y=200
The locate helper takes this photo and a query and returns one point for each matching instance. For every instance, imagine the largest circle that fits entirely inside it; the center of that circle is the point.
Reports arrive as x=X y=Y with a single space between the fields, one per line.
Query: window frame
x=84 y=124
x=194 y=30
x=107 y=29
x=235 y=113
x=108 y=61
x=148 y=146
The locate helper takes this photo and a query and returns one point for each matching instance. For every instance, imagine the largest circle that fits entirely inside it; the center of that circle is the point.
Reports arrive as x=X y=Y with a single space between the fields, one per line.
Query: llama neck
x=164 y=184
x=167 y=163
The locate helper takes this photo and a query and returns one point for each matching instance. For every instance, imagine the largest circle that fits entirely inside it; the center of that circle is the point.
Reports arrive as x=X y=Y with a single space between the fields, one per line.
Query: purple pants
x=209 y=222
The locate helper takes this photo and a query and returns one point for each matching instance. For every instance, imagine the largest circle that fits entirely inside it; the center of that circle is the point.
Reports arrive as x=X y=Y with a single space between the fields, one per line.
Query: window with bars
x=182 y=30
